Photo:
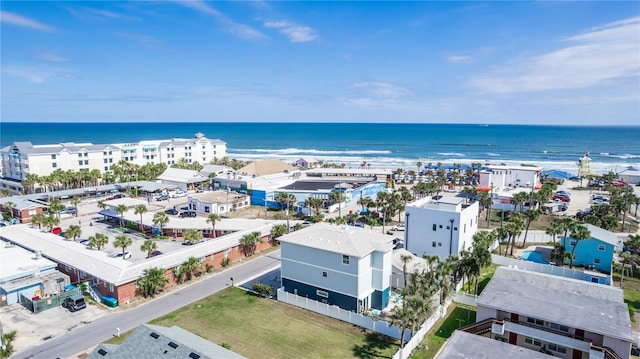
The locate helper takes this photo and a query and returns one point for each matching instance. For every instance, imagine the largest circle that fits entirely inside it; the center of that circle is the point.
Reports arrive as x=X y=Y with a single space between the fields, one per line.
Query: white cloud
x=19 y=20
x=459 y=59
x=238 y=29
x=600 y=56
x=295 y=33
x=36 y=75
x=143 y=39
x=372 y=93
x=52 y=57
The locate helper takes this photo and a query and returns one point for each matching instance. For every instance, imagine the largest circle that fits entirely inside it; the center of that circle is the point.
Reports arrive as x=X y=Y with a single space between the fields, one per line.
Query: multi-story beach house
x=340 y=265
x=510 y=176
x=595 y=252
x=441 y=227
x=22 y=158
x=563 y=317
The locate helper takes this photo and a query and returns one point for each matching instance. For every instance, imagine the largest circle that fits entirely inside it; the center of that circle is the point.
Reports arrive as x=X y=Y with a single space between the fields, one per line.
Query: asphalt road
x=104 y=328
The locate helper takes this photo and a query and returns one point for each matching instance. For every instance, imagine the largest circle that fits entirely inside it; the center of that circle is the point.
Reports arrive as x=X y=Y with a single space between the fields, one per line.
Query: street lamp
x=451 y=236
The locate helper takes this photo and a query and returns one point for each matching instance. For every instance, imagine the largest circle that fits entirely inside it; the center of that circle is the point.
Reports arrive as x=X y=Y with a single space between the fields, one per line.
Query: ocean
x=389 y=146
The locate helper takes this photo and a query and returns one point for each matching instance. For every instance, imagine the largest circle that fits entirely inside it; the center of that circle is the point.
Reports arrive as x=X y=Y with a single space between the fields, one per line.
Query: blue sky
x=573 y=62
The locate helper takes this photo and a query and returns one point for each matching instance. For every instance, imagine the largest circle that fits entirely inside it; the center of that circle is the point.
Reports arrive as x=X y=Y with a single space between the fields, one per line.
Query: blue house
x=339 y=265
x=595 y=252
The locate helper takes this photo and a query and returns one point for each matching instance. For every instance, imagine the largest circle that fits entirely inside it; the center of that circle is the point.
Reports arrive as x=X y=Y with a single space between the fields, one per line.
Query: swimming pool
x=532 y=256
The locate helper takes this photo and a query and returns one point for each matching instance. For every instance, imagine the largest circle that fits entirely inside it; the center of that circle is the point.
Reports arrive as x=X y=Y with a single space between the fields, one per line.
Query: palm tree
x=75 y=201
x=97 y=241
x=38 y=219
x=336 y=197
x=149 y=246
x=567 y=225
x=285 y=200
x=191 y=267
x=192 y=236
x=249 y=241
x=122 y=209
x=278 y=230
x=212 y=218
x=519 y=199
x=514 y=227
x=579 y=233
x=55 y=206
x=140 y=209
x=314 y=203
x=102 y=205
x=74 y=231
x=51 y=221
x=152 y=281
x=530 y=215
x=553 y=230
x=123 y=242
x=160 y=219
x=405 y=258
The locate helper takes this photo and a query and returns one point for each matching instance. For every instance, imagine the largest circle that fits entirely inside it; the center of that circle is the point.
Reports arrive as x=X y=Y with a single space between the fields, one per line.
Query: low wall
x=543 y=268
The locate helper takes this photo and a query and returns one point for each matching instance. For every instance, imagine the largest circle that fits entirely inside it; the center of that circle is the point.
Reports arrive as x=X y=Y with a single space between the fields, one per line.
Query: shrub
x=225 y=262
x=262 y=289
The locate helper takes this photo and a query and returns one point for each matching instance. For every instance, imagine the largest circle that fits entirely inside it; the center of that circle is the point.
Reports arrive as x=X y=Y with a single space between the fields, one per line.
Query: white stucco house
x=510 y=176
x=183 y=179
x=340 y=265
x=441 y=227
x=218 y=202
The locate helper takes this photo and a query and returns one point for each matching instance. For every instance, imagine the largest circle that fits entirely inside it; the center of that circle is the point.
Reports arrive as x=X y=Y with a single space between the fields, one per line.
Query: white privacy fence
x=465 y=298
x=378 y=326
x=419 y=335
x=363 y=321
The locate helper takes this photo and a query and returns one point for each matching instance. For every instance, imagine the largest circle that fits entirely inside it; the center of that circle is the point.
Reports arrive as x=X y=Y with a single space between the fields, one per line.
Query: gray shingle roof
x=152 y=341
x=575 y=303
x=352 y=241
x=463 y=345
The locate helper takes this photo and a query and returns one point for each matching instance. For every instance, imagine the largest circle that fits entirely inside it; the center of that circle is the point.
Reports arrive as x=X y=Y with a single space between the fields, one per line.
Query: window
x=106 y=161
x=532 y=341
x=573 y=243
x=324 y=274
x=596 y=261
x=206 y=209
x=345 y=259
x=80 y=163
x=557 y=326
x=79 y=154
x=439 y=244
x=322 y=293
x=86 y=154
x=440 y=226
x=86 y=162
x=110 y=160
x=464 y=230
x=535 y=321
x=601 y=248
x=54 y=165
x=106 y=168
x=433 y=244
x=435 y=226
x=53 y=157
x=556 y=348
x=111 y=288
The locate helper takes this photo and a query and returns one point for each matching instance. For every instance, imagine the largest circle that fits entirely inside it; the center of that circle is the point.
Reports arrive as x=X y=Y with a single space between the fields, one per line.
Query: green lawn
x=631 y=290
x=458 y=316
x=265 y=328
x=485 y=276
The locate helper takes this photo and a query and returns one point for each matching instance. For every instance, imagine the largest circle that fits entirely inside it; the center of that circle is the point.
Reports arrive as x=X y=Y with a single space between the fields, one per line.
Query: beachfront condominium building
x=563 y=317
x=22 y=158
x=441 y=227
x=340 y=265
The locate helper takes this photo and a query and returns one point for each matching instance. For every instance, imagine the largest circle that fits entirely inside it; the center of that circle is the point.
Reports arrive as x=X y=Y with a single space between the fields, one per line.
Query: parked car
x=582 y=214
x=125 y=255
x=600 y=197
x=177 y=194
x=399 y=227
x=171 y=211
x=83 y=241
x=74 y=302
x=563 y=193
x=187 y=214
x=156 y=253
x=561 y=198
x=163 y=197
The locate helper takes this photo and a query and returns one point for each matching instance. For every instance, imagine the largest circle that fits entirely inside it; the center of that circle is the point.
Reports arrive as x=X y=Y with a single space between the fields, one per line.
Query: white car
x=399 y=227
x=177 y=194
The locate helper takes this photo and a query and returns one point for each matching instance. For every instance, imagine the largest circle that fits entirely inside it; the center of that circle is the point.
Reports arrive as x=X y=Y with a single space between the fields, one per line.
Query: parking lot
x=34 y=329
